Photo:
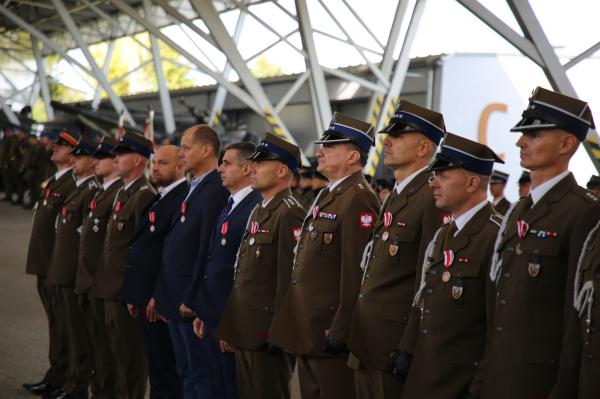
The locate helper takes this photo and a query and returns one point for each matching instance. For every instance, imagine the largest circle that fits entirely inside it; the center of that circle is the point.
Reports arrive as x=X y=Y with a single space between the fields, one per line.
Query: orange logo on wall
x=484 y=119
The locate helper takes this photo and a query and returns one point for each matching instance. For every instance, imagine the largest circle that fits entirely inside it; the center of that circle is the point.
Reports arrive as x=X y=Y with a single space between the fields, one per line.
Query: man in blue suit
x=145 y=257
x=217 y=282
x=185 y=255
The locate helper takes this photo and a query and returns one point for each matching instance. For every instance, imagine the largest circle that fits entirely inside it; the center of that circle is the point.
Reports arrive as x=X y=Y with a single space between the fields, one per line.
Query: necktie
x=225 y=212
x=452 y=229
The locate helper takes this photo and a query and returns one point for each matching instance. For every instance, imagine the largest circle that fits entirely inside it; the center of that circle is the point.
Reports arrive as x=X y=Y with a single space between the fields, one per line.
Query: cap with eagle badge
x=273 y=148
x=551 y=110
x=134 y=142
x=409 y=117
x=86 y=147
x=345 y=129
x=459 y=152
x=498 y=177
x=67 y=137
x=105 y=148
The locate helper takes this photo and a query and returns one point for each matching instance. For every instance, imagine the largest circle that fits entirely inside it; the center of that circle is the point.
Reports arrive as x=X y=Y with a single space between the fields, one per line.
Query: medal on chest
x=224 y=231
x=183 y=211
x=448 y=260
x=387 y=222
x=152 y=220
x=253 y=230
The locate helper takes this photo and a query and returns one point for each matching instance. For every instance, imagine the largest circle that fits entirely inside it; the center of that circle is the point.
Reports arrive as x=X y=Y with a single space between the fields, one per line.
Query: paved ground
x=23 y=325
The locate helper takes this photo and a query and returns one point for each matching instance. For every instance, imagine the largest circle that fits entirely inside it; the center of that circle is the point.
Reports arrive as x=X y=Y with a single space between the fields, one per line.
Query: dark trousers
x=164 y=380
x=261 y=374
x=325 y=378
x=192 y=359
x=57 y=349
x=126 y=342
x=376 y=384
x=223 y=369
x=103 y=362
x=79 y=372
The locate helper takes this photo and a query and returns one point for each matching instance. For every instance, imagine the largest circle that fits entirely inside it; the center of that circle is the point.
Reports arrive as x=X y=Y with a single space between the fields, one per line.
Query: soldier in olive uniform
x=524 y=184
x=93 y=232
x=532 y=251
x=304 y=193
x=34 y=173
x=63 y=268
x=446 y=339
x=497 y=184
x=124 y=333
x=314 y=319
x=405 y=225
x=262 y=274
x=39 y=254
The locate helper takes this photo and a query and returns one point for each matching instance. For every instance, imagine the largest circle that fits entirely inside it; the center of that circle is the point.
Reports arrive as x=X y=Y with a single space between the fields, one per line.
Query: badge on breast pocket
x=457 y=292
x=120 y=226
x=393 y=250
x=327 y=238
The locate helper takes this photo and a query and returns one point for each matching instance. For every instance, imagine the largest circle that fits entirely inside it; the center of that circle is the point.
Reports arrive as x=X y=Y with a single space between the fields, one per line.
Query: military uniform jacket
x=63 y=266
x=262 y=272
x=388 y=288
x=126 y=213
x=43 y=231
x=454 y=322
x=326 y=276
x=502 y=206
x=529 y=308
x=305 y=197
x=145 y=254
x=93 y=232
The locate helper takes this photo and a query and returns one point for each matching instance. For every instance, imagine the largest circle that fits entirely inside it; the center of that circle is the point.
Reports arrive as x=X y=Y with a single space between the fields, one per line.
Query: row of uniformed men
x=432 y=294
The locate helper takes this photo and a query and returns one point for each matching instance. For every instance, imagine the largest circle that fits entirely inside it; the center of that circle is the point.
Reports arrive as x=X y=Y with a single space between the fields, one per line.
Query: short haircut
x=245 y=149
x=206 y=135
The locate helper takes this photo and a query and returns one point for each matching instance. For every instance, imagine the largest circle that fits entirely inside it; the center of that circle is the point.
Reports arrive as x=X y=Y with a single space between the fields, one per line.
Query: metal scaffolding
x=47 y=27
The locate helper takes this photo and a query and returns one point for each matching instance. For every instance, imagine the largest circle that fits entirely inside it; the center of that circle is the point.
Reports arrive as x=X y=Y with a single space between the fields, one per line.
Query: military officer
x=405 y=225
x=305 y=194
x=594 y=184
x=63 y=268
x=41 y=245
x=124 y=333
x=533 y=249
x=313 y=320
x=262 y=274
x=93 y=232
x=524 y=184
x=497 y=185
x=447 y=338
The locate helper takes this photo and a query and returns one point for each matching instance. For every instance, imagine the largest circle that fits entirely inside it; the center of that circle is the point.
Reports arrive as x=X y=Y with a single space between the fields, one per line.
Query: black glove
x=400 y=364
x=334 y=347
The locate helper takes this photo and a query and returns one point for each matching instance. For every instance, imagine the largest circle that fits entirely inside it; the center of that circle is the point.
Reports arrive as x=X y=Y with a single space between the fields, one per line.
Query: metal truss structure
x=35 y=29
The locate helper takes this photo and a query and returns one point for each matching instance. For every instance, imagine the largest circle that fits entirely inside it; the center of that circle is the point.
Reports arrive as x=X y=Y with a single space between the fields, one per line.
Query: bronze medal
x=385 y=236
x=518 y=249
x=327 y=238
x=251 y=241
x=533 y=269
x=393 y=249
x=120 y=226
x=446 y=278
x=457 y=292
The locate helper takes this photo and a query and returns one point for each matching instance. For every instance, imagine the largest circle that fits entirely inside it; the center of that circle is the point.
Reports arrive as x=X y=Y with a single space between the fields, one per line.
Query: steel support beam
x=241 y=94
x=292 y=91
x=41 y=75
x=97 y=72
x=163 y=90
x=211 y=18
x=317 y=85
x=396 y=84
x=10 y=115
x=105 y=68
x=586 y=54
x=556 y=74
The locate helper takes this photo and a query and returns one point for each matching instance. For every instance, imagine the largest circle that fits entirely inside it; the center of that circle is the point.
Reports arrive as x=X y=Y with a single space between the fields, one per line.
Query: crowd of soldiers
x=211 y=278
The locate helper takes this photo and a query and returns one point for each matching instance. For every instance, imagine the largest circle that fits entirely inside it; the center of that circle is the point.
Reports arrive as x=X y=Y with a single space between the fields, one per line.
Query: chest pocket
x=325 y=234
x=262 y=250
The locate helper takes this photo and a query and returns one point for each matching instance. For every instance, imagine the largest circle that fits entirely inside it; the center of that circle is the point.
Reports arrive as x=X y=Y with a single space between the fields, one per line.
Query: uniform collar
x=61 y=173
x=497 y=201
x=109 y=183
x=79 y=182
x=401 y=185
x=239 y=196
x=541 y=190
x=128 y=185
x=463 y=219
x=331 y=186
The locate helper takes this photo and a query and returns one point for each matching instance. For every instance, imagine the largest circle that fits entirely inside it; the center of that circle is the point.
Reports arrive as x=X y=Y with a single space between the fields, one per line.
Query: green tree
x=264 y=69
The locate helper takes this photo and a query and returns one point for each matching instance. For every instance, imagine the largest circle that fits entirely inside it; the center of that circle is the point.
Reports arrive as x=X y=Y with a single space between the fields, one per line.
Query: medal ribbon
x=224 y=229
x=152 y=217
x=448 y=258
x=254 y=228
x=522 y=228
x=387 y=219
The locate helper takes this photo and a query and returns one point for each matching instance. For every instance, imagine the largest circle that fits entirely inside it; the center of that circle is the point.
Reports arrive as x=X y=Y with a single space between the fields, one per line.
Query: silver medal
x=95 y=228
x=251 y=241
x=183 y=219
x=311 y=227
x=152 y=228
x=223 y=241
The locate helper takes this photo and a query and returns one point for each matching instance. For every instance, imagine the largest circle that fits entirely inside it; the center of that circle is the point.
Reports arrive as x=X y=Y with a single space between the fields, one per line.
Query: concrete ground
x=23 y=324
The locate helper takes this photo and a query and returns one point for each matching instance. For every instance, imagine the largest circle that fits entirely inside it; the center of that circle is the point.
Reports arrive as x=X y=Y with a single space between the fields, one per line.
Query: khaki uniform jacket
x=454 y=322
x=93 y=233
x=63 y=266
x=386 y=296
x=305 y=197
x=129 y=207
x=502 y=206
x=529 y=308
x=43 y=231
x=262 y=272
x=326 y=277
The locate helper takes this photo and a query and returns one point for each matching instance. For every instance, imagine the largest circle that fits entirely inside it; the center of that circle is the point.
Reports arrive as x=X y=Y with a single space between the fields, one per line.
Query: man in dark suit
x=144 y=260
x=185 y=254
x=218 y=279
x=40 y=251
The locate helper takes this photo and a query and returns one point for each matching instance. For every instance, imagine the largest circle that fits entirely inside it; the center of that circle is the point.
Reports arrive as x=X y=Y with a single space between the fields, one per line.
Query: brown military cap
x=274 y=148
x=68 y=137
x=549 y=110
x=345 y=129
x=105 y=148
x=459 y=152
x=134 y=142
x=409 y=117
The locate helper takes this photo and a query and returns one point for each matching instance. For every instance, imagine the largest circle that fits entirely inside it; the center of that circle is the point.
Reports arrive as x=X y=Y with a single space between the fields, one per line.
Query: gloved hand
x=334 y=347
x=400 y=364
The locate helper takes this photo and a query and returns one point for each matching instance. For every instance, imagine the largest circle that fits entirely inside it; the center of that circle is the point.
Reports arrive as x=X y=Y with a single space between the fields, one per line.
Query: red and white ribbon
x=315 y=211
x=522 y=228
x=254 y=228
x=387 y=219
x=448 y=258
